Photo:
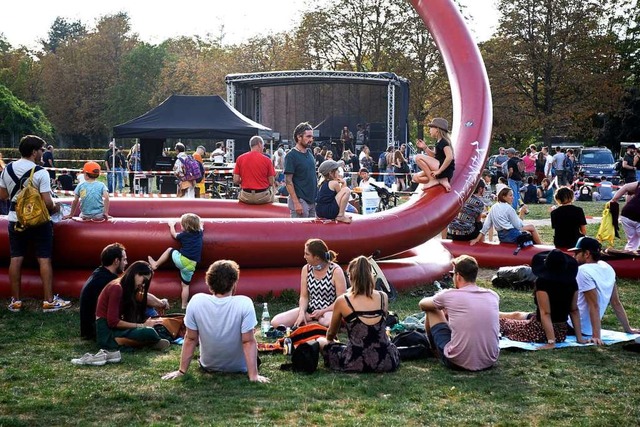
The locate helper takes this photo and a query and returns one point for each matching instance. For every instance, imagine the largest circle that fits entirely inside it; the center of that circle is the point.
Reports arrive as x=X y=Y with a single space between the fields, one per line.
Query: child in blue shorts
x=188 y=256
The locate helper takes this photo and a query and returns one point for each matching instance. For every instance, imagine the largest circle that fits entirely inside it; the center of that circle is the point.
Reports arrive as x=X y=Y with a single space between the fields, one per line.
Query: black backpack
x=412 y=345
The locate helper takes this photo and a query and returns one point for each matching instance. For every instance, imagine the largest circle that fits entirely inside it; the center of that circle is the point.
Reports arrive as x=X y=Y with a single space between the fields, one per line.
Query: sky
x=25 y=22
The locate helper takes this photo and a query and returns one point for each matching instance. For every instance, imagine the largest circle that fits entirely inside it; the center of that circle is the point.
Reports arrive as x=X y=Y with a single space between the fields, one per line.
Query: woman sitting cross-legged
x=556 y=298
x=364 y=310
x=504 y=218
x=321 y=282
x=120 y=313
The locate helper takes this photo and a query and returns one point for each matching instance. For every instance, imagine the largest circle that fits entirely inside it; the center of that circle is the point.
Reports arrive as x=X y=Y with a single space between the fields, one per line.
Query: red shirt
x=109 y=303
x=255 y=169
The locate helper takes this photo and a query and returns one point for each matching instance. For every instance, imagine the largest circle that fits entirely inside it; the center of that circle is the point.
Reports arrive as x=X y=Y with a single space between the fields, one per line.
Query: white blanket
x=608 y=337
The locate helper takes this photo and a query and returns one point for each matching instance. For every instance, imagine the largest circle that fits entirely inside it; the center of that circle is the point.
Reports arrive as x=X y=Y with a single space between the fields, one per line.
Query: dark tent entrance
x=187 y=117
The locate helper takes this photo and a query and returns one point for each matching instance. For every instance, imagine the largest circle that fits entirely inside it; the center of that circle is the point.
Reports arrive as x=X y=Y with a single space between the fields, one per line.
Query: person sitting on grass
x=567 y=220
x=333 y=193
x=545 y=192
x=188 y=256
x=364 y=311
x=120 y=313
x=506 y=221
x=462 y=323
x=555 y=296
x=91 y=195
x=222 y=324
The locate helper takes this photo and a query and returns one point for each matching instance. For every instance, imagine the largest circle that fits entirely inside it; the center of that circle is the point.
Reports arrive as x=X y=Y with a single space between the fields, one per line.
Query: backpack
x=518 y=277
x=412 y=345
x=190 y=169
x=523 y=240
x=201 y=166
x=306 y=333
x=382 y=161
x=585 y=194
x=567 y=164
x=29 y=205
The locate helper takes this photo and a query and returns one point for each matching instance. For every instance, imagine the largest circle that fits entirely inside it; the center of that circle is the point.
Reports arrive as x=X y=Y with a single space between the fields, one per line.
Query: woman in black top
x=436 y=166
x=567 y=220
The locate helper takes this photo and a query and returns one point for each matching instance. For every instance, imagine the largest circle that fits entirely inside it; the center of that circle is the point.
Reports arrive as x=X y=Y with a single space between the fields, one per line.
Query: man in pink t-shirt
x=254 y=172
x=462 y=323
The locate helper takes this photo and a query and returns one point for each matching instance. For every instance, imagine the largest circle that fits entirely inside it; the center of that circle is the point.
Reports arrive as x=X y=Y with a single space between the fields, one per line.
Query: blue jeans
x=119 y=174
x=515 y=187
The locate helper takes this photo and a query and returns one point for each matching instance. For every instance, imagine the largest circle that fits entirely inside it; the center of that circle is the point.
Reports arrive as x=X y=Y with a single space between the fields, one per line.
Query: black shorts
x=41 y=237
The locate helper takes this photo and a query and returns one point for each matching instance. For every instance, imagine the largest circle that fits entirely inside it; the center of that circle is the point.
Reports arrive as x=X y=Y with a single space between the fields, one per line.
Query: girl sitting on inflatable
x=437 y=165
x=506 y=221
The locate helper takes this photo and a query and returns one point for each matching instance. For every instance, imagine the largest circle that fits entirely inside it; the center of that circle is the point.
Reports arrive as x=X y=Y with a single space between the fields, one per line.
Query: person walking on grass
x=188 y=256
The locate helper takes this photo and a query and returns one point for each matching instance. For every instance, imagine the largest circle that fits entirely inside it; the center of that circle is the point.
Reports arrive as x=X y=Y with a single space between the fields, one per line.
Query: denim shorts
x=509 y=236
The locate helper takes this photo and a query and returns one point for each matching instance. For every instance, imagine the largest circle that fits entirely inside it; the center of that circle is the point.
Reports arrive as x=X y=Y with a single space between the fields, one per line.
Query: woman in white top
x=506 y=221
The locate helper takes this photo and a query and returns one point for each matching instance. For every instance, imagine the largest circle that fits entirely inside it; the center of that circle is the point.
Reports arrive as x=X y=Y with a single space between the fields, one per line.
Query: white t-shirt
x=600 y=276
x=547 y=165
x=220 y=323
x=41 y=180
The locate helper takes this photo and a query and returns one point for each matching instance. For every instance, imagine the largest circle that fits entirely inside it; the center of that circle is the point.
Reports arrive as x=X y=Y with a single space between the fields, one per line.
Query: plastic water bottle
x=265 y=322
x=287 y=345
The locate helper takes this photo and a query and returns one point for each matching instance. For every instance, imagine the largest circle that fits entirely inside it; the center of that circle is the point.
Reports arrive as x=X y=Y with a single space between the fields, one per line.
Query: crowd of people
x=463 y=324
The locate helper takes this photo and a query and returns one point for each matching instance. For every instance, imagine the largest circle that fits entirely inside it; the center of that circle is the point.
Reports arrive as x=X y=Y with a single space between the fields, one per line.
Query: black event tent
x=193 y=117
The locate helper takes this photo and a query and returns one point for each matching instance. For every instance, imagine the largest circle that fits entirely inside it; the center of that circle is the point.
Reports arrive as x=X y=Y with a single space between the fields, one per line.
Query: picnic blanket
x=609 y=337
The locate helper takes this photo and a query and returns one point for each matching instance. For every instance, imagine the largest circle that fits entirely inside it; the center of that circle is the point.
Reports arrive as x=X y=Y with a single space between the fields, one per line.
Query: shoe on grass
x=55 y=305
x=161 y=345
x=15 y=305
x=98 y=359
x=112 y=356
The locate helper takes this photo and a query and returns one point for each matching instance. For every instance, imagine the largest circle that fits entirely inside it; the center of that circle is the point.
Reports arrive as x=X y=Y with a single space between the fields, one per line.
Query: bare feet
x=446 y=185
x=429 y=184
x=152 y=263
x=343 y=218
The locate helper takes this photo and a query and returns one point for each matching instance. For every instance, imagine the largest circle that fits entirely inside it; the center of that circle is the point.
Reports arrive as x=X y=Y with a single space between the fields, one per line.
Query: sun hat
x=439 y=123
x=554 y=265
x=91 y=167
x=587 y=244
x=327 y=166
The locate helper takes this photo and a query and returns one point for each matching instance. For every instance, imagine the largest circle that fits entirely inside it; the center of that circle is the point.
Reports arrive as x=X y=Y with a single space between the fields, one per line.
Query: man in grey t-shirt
x=223 y=324
x=300 y=174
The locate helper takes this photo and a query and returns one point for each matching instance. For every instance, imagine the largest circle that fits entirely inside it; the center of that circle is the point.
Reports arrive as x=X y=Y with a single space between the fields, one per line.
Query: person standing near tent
x=300 y=174
x=198 y=155
x=185 y=188
x=255 y=173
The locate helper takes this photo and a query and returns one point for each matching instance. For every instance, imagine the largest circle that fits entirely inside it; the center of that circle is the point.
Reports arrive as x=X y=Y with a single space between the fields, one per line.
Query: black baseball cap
x=587 y=244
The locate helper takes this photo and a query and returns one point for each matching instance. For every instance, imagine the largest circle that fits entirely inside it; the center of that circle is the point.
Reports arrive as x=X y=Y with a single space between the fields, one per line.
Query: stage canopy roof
x=195 y=117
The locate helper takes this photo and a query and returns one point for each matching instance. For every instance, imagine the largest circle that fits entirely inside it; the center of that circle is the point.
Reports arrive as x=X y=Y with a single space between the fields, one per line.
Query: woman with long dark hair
x=364 y=311
x=120 y=313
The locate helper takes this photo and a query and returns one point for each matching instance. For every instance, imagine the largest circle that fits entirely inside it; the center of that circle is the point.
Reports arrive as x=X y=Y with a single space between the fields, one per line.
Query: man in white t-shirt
x=548 y=163
x=596 y=289
x=223 y=324
x=467 y=338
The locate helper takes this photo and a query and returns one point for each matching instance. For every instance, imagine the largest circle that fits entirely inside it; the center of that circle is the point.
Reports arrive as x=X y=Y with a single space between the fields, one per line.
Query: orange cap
x=91 y=167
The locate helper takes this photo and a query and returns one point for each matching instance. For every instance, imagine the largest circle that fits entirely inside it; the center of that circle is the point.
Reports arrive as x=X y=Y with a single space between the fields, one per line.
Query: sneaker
x=55 y=305
x=98 y=359
x=112 y=356
x=161 y=345
x=15 y=305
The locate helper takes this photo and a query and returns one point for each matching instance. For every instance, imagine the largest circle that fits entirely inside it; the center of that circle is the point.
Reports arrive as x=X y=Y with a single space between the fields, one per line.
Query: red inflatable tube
x=405 y=272
x=277 y=242
x=496 y=255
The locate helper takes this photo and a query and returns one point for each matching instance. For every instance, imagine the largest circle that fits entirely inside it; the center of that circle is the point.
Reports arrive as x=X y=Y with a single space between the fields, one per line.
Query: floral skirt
x=531 y=330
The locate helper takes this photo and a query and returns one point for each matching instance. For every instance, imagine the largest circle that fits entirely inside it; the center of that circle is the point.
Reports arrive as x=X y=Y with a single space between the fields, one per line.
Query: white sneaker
x=112 y=356
x=98 y=359
x=55 y=305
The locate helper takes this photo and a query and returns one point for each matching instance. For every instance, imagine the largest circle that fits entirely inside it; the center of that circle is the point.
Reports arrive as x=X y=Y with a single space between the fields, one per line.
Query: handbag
x=173 y=324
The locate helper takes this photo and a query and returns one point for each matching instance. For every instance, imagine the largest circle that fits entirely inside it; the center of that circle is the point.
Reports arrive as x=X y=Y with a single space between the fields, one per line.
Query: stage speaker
x=167 y=184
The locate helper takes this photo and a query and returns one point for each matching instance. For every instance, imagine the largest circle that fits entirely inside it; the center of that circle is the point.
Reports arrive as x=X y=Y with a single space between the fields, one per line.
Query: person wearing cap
x=92 y=195
x=555 y=296
x=596 y=290
x=437 y=165
x=630 y=214
x=462 y=323
x=255 y=174
x=300 y=174
x=333 y=194
x=628 y=165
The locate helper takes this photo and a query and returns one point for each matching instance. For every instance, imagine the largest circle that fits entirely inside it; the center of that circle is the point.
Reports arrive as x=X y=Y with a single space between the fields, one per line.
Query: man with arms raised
x=466 y=338
x=300 y=174
x=255 y=173
x=223 y=324
x=596 y=289
x=31 y=149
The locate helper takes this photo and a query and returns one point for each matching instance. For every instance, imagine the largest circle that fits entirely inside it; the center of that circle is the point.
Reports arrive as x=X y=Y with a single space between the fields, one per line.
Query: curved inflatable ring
x=277 y=242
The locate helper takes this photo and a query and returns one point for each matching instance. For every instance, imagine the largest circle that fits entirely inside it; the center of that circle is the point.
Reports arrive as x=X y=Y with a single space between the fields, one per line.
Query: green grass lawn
x=579 y=386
